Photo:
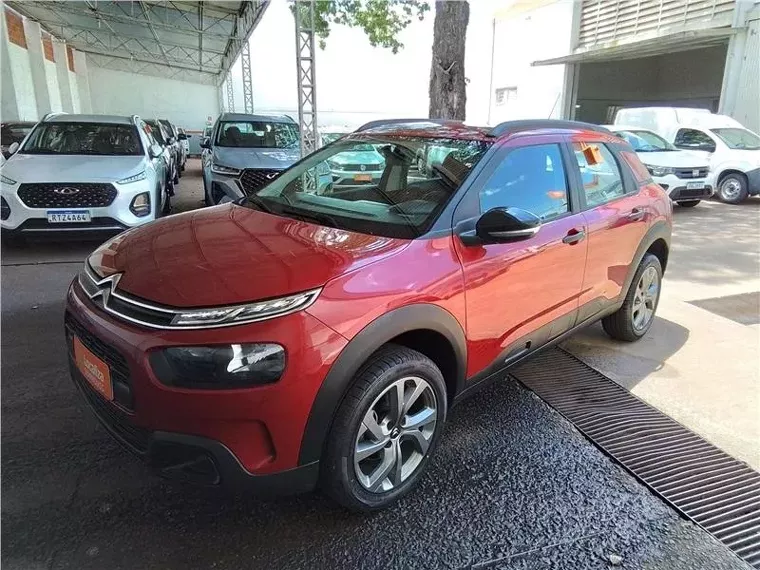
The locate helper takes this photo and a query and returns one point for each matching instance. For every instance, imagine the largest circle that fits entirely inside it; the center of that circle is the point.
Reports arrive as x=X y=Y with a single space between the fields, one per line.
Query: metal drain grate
x=706 y=485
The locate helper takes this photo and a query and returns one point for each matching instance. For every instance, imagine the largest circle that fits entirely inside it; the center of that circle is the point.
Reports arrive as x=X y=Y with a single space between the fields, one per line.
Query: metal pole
x=307 y=85
x=230 y=95
x=245 y=58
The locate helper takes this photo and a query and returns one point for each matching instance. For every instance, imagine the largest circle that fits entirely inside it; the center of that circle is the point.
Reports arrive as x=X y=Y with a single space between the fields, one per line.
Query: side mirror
x=13 y=148
x=172 y=140
x=155 y=150
x=182 y=137
x=206 y=142
x=502 y=225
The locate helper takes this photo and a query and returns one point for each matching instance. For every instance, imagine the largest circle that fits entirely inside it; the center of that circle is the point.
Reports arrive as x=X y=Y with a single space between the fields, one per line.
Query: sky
x=356 y=82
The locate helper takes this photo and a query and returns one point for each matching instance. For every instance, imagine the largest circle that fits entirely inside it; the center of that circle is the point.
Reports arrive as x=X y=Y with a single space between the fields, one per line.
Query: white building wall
x=55 y=92
x=122 y=93
x=524 y=33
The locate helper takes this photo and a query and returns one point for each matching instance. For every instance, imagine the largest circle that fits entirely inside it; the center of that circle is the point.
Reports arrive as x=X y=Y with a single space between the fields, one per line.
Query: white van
x=733 y=151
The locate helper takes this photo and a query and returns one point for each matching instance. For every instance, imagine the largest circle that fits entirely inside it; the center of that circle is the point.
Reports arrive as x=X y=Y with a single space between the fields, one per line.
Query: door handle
x=574 y=236
x=636 y=214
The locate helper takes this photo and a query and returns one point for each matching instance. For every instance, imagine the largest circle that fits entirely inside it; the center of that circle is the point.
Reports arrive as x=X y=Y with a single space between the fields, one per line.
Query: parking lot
x=513 y=485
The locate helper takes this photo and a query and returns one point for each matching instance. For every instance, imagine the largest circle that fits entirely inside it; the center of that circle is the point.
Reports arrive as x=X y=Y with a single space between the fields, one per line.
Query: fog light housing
x=5 y=209
x=140 y=205
x=221 y=367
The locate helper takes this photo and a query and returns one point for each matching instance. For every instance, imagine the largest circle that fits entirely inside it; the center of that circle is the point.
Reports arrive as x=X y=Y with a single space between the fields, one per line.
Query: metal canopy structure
x=190 y=41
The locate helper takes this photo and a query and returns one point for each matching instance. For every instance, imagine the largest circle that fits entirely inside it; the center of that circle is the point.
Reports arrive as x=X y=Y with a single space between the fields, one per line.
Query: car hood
x=231 y=254
x=71 y=168
x=673 y=158
x=237 y=157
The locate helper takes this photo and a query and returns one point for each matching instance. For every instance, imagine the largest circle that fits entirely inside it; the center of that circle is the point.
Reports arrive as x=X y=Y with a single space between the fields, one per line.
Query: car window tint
x=532 y=178
x=600 y=173
x=693 y=138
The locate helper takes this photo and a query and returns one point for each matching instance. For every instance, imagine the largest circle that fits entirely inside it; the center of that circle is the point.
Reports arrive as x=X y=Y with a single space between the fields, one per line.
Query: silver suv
x=84 y=172
x=245 y=152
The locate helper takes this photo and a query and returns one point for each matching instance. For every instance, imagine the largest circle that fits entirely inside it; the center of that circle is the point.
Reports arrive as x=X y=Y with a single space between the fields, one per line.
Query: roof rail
x=383 y=122
x=50 y=115
x=534 y=124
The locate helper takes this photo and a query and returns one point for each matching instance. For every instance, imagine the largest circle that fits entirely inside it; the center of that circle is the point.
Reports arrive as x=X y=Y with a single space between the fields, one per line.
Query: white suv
x=83 y=172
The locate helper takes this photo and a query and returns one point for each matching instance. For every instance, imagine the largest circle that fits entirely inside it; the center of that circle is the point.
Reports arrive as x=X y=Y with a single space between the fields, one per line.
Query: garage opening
x=690 y=78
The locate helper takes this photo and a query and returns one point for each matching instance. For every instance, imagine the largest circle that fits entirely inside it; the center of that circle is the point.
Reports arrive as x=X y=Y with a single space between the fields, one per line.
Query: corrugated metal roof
x=193 y=41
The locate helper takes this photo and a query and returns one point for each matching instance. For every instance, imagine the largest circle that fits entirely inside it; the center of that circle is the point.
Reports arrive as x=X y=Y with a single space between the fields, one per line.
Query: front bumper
x=113 y=218
x=677 y=188
x=238 y=437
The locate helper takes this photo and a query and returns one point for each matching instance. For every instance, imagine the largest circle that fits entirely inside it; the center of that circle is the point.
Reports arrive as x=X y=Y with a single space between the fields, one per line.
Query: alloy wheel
x=395 y=434
x=645 y=298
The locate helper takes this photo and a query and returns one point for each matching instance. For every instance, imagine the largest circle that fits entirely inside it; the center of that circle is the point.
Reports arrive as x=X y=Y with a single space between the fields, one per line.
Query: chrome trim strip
x=113 y=280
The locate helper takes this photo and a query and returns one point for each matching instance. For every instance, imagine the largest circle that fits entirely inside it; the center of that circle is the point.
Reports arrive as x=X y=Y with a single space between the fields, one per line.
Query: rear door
x=522 y=293
x=617 y=215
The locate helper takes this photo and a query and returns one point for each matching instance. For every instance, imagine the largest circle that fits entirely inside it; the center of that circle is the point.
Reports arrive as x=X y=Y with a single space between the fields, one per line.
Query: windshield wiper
x=318 y=217
x=258 y=202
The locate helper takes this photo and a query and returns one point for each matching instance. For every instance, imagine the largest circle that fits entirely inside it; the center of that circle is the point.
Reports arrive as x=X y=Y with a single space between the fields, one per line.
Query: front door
x=521 y=294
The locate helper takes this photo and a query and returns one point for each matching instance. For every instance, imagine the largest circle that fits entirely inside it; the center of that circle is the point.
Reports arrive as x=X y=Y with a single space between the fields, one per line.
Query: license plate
x=68 y=216
x=94 y=370
x=695 y=185
x=362 y=177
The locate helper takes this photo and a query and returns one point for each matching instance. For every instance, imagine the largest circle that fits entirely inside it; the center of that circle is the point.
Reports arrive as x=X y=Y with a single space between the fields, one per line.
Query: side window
x=532 y=178
x=600 y=173
x=694 y=139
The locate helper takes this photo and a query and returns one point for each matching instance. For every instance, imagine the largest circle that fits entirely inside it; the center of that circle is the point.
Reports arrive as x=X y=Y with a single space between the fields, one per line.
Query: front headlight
x=226 y=170
x=659 y=170
x=6 y=180
x=323 y=168
x=335 y=165
x=134 y=178
x=219 y=367
x=198 y=318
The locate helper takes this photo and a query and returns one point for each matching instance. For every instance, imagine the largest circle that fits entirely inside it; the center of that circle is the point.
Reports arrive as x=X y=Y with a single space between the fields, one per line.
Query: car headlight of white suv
x=660 y=170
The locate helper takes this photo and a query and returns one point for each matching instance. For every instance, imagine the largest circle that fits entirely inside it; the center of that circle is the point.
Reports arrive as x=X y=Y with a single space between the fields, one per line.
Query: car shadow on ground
x=632 y=362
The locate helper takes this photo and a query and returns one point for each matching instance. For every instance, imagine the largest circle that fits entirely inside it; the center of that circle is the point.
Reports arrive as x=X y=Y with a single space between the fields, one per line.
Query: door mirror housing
x=182 y=137
x=502 y=225
x=13 y=148
x=155 y=150
x=172 y=140
x=206 y=142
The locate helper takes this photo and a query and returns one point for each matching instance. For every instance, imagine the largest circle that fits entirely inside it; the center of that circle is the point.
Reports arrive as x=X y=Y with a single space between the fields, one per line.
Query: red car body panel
x=228 y=255
x=498 y=293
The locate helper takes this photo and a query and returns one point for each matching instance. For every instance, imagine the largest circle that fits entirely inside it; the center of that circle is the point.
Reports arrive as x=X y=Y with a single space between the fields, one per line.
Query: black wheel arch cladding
x=423 y=316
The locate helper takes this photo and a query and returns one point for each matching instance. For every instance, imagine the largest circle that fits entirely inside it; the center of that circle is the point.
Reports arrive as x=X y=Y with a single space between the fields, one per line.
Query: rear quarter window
x=640 y=172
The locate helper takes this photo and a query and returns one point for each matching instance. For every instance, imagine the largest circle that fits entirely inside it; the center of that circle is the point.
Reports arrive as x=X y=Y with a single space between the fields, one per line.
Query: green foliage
x=381 y=20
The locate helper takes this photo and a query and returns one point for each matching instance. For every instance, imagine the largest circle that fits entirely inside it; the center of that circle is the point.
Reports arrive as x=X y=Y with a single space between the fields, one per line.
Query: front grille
x=253 y=179
x=362 y=167
x=690 y=172
x=67 y=195
x=117 y=364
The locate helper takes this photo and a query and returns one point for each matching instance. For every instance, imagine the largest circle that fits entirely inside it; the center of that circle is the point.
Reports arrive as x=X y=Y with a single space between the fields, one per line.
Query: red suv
x=319 y=334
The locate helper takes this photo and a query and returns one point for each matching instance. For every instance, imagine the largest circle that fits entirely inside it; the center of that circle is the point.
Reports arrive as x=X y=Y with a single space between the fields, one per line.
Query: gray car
x=84 y=173
x=245 y=152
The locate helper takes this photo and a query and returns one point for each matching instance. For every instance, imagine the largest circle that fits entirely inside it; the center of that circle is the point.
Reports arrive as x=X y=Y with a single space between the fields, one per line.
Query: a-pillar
x=83 y=81
x=37 y=63
x=62 y=71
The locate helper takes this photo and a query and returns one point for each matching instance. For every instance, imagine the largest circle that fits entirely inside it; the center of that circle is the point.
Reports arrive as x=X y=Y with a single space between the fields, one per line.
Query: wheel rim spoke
x=645 y=298
x=395 y=434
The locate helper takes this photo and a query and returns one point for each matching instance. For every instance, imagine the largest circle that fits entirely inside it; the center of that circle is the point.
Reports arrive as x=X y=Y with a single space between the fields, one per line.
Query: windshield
x=646 y=141
x=257 y=134
x=11 y=133
x=84 y=138
x=156 y=131
x=740 y=139
x=392 y=198
x=328 y=138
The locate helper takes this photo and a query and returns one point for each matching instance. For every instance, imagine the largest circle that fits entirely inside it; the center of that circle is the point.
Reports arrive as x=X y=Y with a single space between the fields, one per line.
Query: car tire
x=732 y=188
x=176 y=176
x=370 y=397
x=634 y=318
x=688 y=203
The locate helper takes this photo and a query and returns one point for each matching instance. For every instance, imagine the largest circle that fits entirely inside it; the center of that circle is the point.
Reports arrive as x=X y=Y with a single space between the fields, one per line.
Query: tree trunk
x=448 y=96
